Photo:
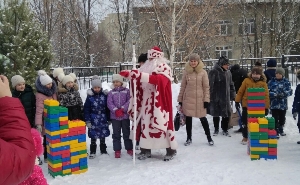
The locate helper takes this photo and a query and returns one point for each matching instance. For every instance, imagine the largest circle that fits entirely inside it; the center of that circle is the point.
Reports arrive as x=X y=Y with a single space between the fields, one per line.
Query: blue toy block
x=75 y=165
x=272 y=137
x=256 y=104
x=52 y=128
x=83 y=160
x=66 y=159
x=53 y=157
x=53 y=116
x=52 y=137
x=67 y=167
x=60 y=148
x=80 y=140
x=74 y=154
x=268 y=156
x=254 y=141
x=63 y=114
x=259 y=145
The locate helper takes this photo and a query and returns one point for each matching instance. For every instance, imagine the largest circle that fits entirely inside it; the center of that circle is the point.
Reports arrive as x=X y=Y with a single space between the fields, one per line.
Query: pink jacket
x=36 y=178
x=40 y=106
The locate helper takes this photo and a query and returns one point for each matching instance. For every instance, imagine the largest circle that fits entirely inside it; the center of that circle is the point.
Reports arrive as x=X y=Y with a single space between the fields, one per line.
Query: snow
x=225 y=163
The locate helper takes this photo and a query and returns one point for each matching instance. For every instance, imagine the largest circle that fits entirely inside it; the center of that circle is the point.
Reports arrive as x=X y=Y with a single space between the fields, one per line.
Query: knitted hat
x=256 y=70
x=96 y=81
x=223 y=60
x=258 y=64
x=194 y=56
x=155 y=52
x=117 y=77
x=73 y=76
x=61 y=77
x=44 y=78
x=17 y=79
x=57 y=71
x=142 y=58
x=280 y=70
x=271 y=63
x=67 y=79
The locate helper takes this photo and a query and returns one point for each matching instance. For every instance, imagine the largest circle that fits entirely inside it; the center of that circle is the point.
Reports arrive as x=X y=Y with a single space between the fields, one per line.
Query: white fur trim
x=57 y=71
x=152 y=53
x=89 y=92
x=67 y=79
x=145 y=77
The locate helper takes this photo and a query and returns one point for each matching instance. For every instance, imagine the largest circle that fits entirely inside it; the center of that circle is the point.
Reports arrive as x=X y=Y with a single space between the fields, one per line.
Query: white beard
x=150 y=66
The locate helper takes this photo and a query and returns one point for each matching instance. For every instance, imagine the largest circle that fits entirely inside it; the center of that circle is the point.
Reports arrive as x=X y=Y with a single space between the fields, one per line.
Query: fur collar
x=124 y=84
x=189 y=69
x=43 y=89
x=91 y=92
x=262 y=77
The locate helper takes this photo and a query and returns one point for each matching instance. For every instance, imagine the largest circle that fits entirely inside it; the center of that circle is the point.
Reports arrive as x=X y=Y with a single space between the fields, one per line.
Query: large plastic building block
x=256 y=94
x=255 y=90
x=262 y=121
x=256 y=105
x=50 y=103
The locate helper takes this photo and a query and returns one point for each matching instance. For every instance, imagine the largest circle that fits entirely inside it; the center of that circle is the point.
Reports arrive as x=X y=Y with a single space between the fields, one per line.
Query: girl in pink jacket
x=37 y=176
x=46 y=89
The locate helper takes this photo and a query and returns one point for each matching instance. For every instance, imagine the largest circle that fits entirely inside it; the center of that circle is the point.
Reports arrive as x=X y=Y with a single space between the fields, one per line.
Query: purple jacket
x=118 y=98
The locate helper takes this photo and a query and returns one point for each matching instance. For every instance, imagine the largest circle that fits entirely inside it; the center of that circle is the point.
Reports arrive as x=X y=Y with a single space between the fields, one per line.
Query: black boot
x=210 y=141
x=103 y=148
x=170 y=154
x=144 y=154
x=93 y=148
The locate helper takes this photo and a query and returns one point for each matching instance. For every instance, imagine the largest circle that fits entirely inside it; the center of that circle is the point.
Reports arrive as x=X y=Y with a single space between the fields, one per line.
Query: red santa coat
x=154 y=109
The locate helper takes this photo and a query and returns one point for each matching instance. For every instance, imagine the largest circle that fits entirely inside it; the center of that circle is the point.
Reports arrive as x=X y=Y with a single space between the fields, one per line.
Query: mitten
x=119 y=113
x=237 y=105
x=205 y=105
x=295 y=114
x=88 y=124
x=134 y=74
x=180 y=103
x=39 y=128
x=266 y=112
x=125 y=73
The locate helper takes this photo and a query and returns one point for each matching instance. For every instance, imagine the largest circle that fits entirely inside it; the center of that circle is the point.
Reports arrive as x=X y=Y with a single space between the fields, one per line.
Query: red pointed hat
x=155 y=52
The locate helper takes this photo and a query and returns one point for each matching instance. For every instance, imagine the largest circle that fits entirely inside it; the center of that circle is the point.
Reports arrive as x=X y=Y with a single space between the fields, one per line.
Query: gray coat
x=221 y=92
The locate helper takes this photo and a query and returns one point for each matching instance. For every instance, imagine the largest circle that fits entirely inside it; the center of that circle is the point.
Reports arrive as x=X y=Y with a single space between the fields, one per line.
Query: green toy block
x=53 y=111
x=256 y=97
x=54 y=174
x=82 y=152
x=263 y=136
x=55 y=161
x=256 y=115
x=256 y=90
x=55 y=120
x=271 y=125
x=272 y=145
x=259 y=152
x=62 y=127
x=51 y=107
x=270 y=119
x=263 y=126
x=83 y=167
x=253 y=159
x=63 y=109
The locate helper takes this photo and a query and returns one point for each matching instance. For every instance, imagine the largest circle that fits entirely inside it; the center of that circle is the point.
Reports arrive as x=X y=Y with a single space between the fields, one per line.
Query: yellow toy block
x=67 y=171
x=66 y=143
x=256 y=112
x=51 y=102
x=78 y=149
x=55 y=133
x=80 y=123
x=262 y=121
x=55 y=165
x=74 y=142
x=273 y=141
x=253 y=127
x=63 y=118
x=76 y=145
x=74 y=160
x=261 y=149
x=265 y=141
x=45 y=111
x=254 y=156
x=72 y=124
x=64 y=131
x=80 y=171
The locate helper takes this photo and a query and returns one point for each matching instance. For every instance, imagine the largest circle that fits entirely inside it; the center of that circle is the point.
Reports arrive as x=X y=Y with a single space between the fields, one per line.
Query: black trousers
x=279 y=116
x=224 y=123
x=45 y=148
x=188 y=123
x=245 y=122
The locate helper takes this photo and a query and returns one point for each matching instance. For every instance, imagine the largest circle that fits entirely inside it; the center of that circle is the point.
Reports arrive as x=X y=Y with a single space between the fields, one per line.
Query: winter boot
x=210 y=141
x=238 y=131
x=93 y=148
x=137 y=146
x=130 y=152
x=40 y=161
x=144 y=154
x=188 y=142
x=103 y=148
x=118 y=154
x=281 y=131
x=216 y=132
x=298 y=142
x=226 y=133
x=244 y=141
x=170 y=154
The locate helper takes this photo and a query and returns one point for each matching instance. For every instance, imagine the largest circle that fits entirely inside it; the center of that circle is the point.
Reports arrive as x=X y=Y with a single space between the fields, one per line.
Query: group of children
x=100 y=108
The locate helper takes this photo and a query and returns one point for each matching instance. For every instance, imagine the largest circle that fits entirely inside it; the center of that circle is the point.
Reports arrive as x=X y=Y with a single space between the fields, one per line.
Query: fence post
x=286 y=69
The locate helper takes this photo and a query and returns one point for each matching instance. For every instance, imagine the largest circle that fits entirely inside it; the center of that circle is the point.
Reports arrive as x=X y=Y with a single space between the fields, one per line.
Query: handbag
x=177 y=121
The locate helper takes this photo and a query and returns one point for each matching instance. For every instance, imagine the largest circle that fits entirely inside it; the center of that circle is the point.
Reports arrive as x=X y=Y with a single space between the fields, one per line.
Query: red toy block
x=272 y=133
x=256 y=108
x=81 y=128
x=272 y=153
x=63 y=122
x=66 y=154
x=55 y=153
x=252 y=120
x=81 y=132
x=256 y=101
x=256 y=93
x=53 y=141
x=263 y=130
x=75 y=169
x=272 y=150
x=66 y=163
x=55 y=169
x=45 y=115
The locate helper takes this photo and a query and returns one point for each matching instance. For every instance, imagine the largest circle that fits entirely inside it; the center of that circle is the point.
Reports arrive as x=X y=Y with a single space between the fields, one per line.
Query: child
x=25 y=93
x=118 y=102
x=296 y=103
x=280 y=90
x=46 y=89
x=71 y=99
x=37 y=176
x=61 y=88
x=254 y=80
x=96 y=116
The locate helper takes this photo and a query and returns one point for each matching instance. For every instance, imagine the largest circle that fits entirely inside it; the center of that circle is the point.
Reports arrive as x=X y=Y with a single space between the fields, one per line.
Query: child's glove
x=295 y=114
x=237 y=105
x=88 y=124
x=39 y=128
x=205 y=105
x=119 y=113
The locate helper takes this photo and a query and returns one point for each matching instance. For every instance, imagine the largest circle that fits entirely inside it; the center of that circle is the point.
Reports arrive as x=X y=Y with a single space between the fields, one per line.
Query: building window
x=246 y=27
x=266 y=25
x=224 y=27
x=224 y=51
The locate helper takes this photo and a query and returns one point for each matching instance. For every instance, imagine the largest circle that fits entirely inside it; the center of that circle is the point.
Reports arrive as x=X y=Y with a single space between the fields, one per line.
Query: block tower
x=66 y=141
x=262 y=141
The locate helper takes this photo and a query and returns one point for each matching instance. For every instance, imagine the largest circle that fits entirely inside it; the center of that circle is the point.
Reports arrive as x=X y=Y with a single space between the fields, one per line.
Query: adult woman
x=194 y=96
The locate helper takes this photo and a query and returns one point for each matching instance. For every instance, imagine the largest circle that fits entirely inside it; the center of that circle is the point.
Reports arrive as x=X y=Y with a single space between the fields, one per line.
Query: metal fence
x=85 y=74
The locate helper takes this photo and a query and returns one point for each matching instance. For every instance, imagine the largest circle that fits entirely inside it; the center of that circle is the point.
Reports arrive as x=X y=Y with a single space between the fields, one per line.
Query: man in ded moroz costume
x=154 y=104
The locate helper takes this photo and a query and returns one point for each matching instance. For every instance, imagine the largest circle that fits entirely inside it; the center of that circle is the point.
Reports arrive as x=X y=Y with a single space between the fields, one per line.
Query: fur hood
x=124 y=84
x=44 y=90
x=90 y=92
x=189 y=69
x=262 y=77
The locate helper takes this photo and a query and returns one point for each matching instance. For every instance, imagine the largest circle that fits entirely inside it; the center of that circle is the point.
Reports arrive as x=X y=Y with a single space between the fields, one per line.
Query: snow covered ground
x=225 y=163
